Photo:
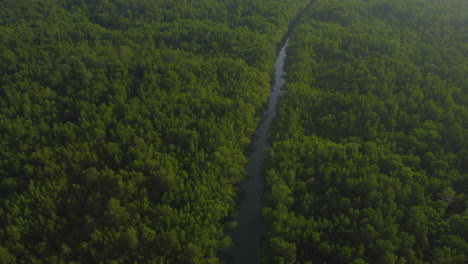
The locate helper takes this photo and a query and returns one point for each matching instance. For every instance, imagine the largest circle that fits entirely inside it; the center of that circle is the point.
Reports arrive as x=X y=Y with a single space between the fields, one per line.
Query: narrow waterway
x=250 y=227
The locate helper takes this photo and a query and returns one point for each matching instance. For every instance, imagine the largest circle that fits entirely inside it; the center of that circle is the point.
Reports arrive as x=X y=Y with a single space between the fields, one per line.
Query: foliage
x=368 y=163
x=123 y=125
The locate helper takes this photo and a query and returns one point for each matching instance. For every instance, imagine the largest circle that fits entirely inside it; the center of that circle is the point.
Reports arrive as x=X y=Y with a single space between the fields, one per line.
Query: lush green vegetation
x=369 y=162
x=123 y=125
x=123 y=128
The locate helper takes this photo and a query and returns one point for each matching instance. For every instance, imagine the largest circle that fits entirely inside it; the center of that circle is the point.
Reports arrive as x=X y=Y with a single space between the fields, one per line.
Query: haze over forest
x=125 y=128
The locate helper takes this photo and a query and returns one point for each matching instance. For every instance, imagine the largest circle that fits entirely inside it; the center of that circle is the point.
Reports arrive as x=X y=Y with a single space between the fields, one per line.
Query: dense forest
x=369 y=162
x=124 y=125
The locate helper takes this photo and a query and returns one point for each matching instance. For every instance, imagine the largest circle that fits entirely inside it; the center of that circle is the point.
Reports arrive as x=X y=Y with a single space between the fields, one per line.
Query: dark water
x=250 y=227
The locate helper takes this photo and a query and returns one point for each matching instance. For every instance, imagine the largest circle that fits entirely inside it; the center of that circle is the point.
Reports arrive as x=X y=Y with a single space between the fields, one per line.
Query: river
x=250 y=226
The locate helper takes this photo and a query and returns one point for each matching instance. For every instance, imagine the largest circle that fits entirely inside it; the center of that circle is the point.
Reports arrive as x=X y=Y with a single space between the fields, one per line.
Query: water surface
x=250 y=227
